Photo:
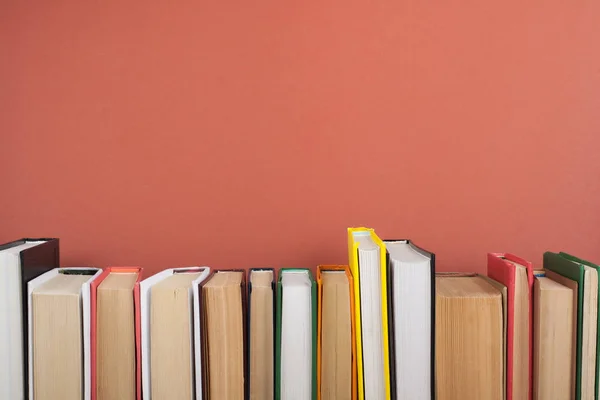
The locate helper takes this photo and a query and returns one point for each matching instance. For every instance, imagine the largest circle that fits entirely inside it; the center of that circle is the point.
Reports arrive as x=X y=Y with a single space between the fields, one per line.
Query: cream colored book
x=336 y=336
x=572 y=365
x=261 y=335
x=553 y=340
x=504 y=291
x=171 y=330
x=469 y=338
x=115 y=337
x=587 y=317
x=58 y=358
x=223 y=302
x=194 y=355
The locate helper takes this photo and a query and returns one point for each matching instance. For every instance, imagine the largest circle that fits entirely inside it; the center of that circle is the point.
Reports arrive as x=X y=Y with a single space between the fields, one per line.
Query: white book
x=410 y=271
x=12 y=381
x=296 y=335
x=194 y=298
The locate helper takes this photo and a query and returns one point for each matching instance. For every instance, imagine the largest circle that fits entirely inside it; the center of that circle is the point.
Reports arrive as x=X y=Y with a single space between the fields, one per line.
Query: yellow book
x=367 y=260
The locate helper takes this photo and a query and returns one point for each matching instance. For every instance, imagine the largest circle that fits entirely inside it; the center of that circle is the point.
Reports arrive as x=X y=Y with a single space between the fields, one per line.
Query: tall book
x=367 y=260
x=411 y=310
x=517 y=275
x=223 y=302
x=20 y=262
x=261 y=326
x=296 y=335
x=553 y=342
x=115 y=340
x=568 y=271
x=59 y=333
x=336 y=357
x=469 y=359
x=171 y=336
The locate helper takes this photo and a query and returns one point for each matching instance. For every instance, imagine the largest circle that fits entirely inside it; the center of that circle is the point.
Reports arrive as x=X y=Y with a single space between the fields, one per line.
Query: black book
x=20 y=262
x=411 y=316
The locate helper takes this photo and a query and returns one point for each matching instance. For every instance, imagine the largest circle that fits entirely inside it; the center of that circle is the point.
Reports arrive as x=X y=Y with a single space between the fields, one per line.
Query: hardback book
x=563 y=269
x=517 y=275
x=170 y=333
x=115 y=339
x=59 y=334
x=411 y=314
x=20 y=261
x=296 y=335
x=223 y=309
x=336 y=356
x=261 y=326
x=553 y=341
x=469 y=359
x=571 y=367
x=367 y=261
x=504 y=291
x=597 y=268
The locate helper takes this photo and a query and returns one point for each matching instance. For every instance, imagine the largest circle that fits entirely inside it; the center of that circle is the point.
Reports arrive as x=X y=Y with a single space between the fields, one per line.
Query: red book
x=94 y=326
x=517 y=275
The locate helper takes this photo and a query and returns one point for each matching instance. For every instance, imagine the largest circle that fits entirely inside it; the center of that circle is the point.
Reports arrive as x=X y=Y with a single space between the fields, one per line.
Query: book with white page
x=296 y=336
x=411 y=272
x=367 y=260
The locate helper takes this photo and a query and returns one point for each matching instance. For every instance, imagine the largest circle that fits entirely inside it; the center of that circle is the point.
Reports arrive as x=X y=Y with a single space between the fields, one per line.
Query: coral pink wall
x=246 y=133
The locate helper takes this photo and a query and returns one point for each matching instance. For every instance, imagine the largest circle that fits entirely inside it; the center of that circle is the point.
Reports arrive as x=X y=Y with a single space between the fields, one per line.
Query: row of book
x=384 y=327
x=91 y=333
x=519 y=332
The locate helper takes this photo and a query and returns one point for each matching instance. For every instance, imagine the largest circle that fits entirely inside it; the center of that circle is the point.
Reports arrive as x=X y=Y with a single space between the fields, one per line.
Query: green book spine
x=313 y=294
x=574 y=271
x=314 y=334
x=589 y=264
x=278 y=340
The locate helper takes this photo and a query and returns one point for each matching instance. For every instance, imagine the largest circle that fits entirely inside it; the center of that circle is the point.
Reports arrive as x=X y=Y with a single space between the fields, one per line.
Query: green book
x=581 y=272
x=592 y=265
x=302 y=280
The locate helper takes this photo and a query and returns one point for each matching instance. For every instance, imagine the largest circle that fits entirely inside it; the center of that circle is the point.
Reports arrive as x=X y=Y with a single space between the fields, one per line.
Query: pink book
x=136 y=301
x=517 y=275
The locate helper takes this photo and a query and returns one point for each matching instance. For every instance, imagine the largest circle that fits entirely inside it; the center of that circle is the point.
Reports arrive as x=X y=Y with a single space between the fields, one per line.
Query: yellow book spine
x=384 y=314
x=353 y=263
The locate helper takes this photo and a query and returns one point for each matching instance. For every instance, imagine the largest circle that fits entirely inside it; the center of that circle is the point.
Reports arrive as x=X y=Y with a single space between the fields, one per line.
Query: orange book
x=108 y=295
x=336 y=349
